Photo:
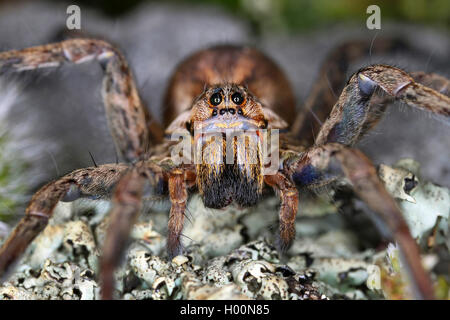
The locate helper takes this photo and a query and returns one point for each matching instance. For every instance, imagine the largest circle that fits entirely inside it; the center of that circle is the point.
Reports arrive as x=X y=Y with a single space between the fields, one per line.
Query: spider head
x=225 y=123
x=227 y=106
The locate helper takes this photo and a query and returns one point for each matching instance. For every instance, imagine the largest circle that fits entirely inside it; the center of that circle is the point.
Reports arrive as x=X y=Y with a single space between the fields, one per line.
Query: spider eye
x=237 y=98
x=214 y=113
x=215 y=99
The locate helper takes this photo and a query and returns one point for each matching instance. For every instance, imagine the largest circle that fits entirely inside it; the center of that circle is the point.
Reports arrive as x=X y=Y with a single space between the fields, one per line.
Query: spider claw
x=366 y=85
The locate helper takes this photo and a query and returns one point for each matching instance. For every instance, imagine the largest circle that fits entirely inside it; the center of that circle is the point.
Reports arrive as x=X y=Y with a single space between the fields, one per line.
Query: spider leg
x=288 y=194
x=89 y=182
x=126 y=206
x=352 y=116
x=127 y=202
x=331 y=81
x=379 y=102
x=178 y=198
x=432 y=80
x=322 y=164
x=130 y=124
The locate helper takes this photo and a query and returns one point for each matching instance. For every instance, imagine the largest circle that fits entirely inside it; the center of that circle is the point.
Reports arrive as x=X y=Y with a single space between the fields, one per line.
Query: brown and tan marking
x=250 y=91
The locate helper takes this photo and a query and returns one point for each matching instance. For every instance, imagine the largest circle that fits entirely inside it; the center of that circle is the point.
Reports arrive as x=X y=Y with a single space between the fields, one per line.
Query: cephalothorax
x=218 y=90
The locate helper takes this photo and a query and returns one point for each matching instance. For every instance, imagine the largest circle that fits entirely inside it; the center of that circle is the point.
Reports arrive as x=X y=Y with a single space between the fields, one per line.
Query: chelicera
x=233 y=88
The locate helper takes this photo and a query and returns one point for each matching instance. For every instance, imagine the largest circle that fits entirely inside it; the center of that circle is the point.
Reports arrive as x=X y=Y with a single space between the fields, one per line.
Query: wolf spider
x=228 y=86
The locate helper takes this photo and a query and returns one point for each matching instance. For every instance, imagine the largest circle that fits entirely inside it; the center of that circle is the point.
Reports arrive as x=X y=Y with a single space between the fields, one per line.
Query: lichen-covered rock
x=79 y=242
x=228 y=255
x=426 y=206
x=65 y=281
x=10 y=292
x=194 y=289
x=216 y=274
x=216 y=231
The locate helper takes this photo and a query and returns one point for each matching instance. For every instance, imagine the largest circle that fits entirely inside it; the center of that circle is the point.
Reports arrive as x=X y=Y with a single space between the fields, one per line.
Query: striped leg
x=322 y=164
x=84 y=182
x=130 y=124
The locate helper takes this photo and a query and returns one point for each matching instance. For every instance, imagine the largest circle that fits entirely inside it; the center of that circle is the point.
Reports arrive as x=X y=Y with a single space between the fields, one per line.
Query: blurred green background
x=297 y=15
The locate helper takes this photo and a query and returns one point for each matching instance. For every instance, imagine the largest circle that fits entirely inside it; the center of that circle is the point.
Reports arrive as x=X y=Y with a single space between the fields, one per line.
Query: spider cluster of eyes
x=216 y=99
x=228 y=146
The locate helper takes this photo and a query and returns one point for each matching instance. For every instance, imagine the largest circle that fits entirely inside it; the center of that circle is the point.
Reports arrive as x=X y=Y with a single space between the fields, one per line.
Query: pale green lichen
x=425 y=206
x=393 y=256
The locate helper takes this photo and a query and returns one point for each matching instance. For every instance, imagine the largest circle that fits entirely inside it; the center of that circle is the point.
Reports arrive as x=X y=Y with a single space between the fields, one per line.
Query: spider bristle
x=183 y=235
x=185 y=214
x=190 y=213
x=93 y=160
x=54 y=162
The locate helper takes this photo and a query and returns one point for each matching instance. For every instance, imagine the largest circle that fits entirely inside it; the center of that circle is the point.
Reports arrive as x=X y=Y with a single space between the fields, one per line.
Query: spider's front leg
x=130 y=124
x=97 y=181
x=353 y=114
x=322 y=164
x=126 y=206
x=331 y=80
x=288 y=195
x=178 y=198
x=127 y=203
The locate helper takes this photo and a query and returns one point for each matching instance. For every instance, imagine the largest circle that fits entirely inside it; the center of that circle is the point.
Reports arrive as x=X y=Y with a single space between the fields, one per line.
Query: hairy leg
x=352 y=114
x=126 y=206
x=127 y=202
x=331 y=81
x=380 y=101
x=130 y=124
x=178 y=198
x=432 y=80
x=90 y=182
x=322 y=164
x=288 y=194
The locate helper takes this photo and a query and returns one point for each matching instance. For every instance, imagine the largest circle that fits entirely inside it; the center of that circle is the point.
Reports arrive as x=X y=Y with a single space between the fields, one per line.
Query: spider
x=232 y=88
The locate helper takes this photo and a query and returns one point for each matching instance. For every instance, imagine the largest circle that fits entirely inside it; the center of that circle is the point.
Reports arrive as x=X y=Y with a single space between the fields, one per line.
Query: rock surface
x=227 y=254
